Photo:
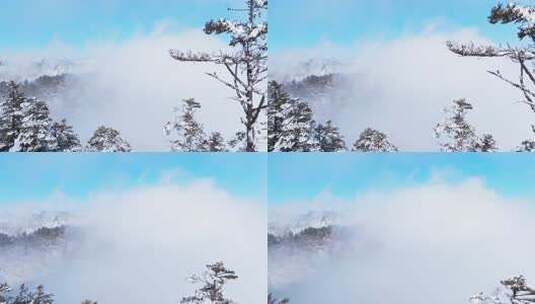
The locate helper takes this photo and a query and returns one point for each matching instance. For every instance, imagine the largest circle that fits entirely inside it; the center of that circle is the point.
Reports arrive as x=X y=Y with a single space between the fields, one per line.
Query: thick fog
x=134 y=85
x=139 y=246
x=401 y=86
x=438 y=242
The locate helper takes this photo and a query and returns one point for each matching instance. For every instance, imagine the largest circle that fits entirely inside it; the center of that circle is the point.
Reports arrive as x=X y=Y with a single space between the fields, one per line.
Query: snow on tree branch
x=189 y=133
x=246 y=65
x=213 y=281
x=514 y=290
x=11 y=116
x=107 y=140
x=527 y=145
x=35 y=129
x=273 y=300
x=524 y=56
x=512 y=12
x=291 y=127
x=371 y=140
x=4 y=289
x=24 y=295
x=473 y=50
x=455 y=134
x=26 y=126
x=194 y=57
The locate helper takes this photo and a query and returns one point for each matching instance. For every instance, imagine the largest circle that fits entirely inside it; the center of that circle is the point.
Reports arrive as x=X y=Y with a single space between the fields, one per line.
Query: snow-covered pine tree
x=526 y=146
x=277 y=99
x=291 y=127
x=290 y=122
x=67 y=139
x=107 y=140
x=297 y=134
x=520 y=292
x=371 y=140
x=246 y=63
x=190 y=135
x=213 y=281
x=24 y=296
x=272 y=300
x=4 y=290
x=35 y=131
x=236 y=142
x=328 y=139
x=41 y=297
x=455 y=134
x=515 y=291
x=215 y=143
x=486 y=144
x=11 y=116
x=524 y=56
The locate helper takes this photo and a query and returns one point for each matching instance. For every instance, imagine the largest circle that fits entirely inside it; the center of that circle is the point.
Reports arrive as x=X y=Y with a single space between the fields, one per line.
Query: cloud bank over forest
x=439 y=241
x=133 y=84
x=140 y=245
x=401 y=85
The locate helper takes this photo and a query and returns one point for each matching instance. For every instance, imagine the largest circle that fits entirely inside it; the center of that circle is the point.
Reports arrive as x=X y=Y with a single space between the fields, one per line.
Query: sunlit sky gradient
x=302 y=177
x=30 y=24
x=307 y=23
x=29 y=177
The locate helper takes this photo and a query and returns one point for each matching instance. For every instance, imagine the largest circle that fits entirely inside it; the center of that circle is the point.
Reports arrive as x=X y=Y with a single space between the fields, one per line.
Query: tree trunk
x=251 y=147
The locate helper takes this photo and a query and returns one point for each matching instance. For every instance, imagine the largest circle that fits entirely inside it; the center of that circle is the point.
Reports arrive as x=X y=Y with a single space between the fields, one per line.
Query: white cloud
x=401 y=86
x=134 y=85
x=435 y=242
x=140 y=245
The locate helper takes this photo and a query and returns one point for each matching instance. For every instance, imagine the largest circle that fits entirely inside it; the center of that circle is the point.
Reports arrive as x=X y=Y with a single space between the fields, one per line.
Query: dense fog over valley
x=136 y=246
x=401 y=87
x=438 y=241
x=132 y=85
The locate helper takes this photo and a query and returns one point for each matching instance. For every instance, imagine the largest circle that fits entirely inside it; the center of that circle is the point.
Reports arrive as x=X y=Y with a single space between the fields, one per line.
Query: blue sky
x=29 y=177
x=301 y=177
x=289 y=177
x=307 y=23
x=28 y=24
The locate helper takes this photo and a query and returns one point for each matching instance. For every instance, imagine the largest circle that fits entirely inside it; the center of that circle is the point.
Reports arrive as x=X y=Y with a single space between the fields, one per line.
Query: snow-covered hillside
x=29 y=244
x=299 y=246
x=297 y=223
x=19 y=224
x=288 y=71
x=20 y=71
